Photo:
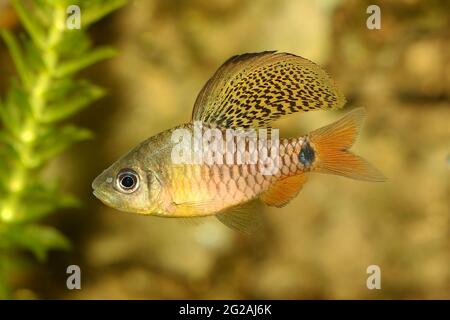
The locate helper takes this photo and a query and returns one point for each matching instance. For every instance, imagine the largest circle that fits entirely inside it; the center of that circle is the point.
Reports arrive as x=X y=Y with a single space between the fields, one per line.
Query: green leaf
x=29 y=22
x=16 y=54
x=43 y=10
x=39 y=201
x=3 y=113
x=6 y=119
x=85 y=95
x=4 y=169
x=55 y=141
x=9 y=157
x=37 y=238
x=63 y=88
x=95 y=10
x=8 y=139
x=88 y=59
x=33 y=57
x=15 y=109
x=74 y=44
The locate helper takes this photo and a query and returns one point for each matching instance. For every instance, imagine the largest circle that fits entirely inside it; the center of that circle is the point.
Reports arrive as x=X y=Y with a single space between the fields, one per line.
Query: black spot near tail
x=306 y=155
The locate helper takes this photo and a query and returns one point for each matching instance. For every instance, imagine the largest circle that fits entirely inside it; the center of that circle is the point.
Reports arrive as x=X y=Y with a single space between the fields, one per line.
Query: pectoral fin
x=193 y=209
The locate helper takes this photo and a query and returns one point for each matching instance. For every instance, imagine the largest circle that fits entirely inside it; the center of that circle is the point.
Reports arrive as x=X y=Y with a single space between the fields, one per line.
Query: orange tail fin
x=331 y=144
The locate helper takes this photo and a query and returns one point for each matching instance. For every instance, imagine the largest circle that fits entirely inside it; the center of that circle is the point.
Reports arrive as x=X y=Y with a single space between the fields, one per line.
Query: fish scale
x=223 y=185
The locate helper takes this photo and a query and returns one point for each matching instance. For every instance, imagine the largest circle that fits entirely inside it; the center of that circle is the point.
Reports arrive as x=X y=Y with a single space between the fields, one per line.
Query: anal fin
x=245 y=218
x=283 y=191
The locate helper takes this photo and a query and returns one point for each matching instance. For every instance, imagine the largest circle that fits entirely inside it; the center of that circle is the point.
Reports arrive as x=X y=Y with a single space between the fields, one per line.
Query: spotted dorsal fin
x=254 y=89
x=283 y=191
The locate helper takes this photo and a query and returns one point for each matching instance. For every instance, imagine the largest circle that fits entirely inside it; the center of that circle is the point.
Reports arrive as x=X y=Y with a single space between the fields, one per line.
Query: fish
x=228 y=159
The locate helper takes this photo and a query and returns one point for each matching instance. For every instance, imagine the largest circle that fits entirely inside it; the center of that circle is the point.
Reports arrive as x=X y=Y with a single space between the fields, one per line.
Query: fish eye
x=127 y=181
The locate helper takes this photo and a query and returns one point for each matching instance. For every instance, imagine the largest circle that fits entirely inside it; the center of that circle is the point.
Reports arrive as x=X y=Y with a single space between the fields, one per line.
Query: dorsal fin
x=254 y=89
x=283 y=191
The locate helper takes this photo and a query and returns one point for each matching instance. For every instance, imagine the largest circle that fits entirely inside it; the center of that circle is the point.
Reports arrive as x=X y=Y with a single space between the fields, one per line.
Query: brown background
x=318 y=246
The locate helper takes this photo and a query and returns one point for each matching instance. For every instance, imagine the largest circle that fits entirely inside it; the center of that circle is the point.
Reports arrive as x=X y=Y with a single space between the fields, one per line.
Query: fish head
x=130 y=185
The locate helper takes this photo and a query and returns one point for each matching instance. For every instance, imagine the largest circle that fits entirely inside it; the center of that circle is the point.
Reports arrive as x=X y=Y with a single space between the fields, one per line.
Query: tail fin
x=331 y=144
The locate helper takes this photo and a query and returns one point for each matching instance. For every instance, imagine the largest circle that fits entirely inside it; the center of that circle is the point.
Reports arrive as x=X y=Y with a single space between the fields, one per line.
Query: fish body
x=200 y=189
x=228 y=156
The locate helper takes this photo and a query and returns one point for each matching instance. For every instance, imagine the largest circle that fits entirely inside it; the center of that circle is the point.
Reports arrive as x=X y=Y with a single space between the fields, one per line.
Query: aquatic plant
x=33 y=116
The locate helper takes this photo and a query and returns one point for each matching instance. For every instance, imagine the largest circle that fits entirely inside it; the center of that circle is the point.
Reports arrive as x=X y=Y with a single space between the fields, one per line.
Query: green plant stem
x=33 y=131
x=23 y=169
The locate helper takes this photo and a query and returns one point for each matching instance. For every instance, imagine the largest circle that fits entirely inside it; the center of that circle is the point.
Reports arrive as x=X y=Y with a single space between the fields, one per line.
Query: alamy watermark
x=374 y=20
x=74 y=279
x=204 y=145
x=73 y=20
x=374 y=280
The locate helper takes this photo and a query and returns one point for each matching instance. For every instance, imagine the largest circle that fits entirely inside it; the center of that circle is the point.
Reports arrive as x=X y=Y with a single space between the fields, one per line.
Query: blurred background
x=318 y=246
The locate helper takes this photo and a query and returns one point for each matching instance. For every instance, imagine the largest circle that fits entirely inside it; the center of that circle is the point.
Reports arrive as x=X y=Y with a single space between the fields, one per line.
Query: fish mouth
x=103 y=197
x=95 y=186
x=96 y=183
x=98 y=193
